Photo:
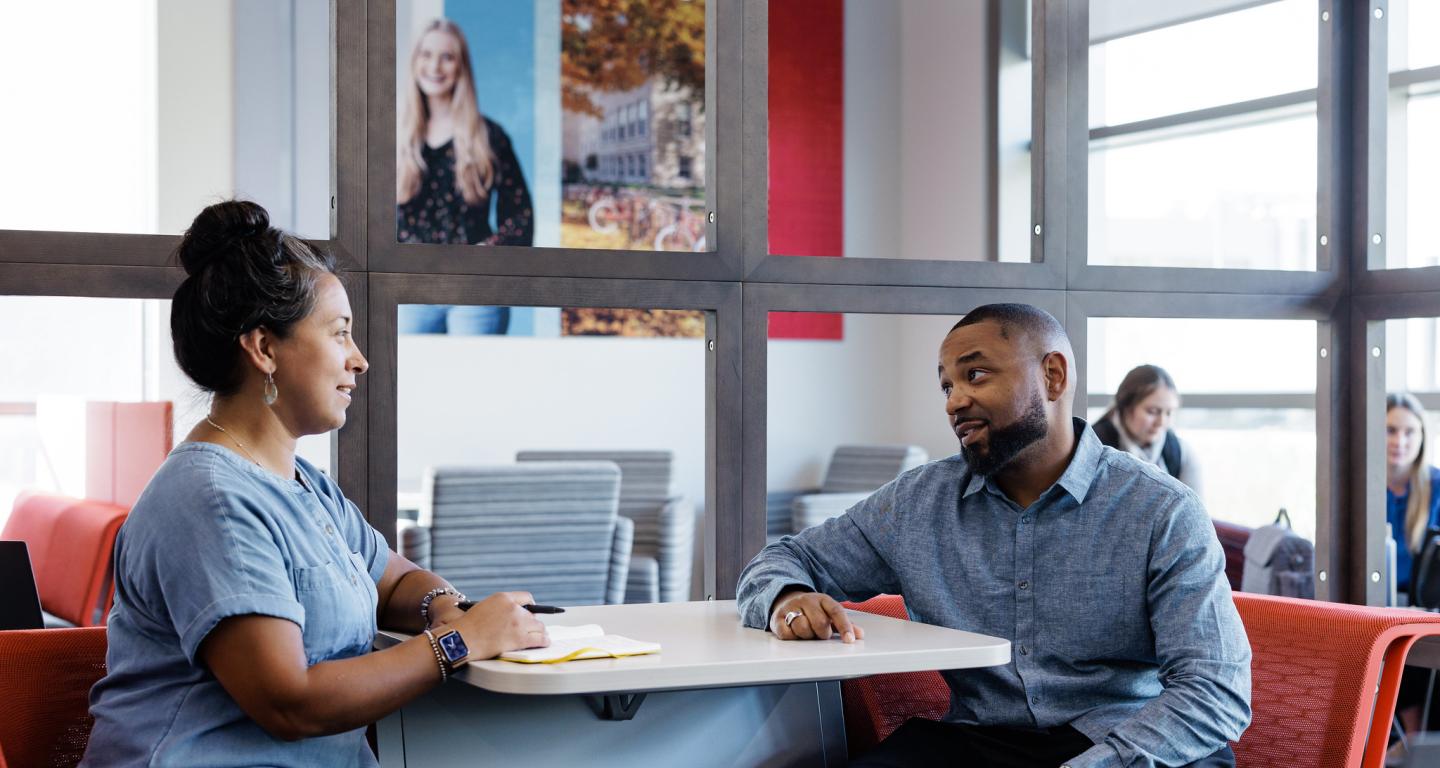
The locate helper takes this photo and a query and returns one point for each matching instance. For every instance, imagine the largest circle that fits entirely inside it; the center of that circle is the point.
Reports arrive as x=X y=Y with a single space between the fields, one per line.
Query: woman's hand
x=500 y=623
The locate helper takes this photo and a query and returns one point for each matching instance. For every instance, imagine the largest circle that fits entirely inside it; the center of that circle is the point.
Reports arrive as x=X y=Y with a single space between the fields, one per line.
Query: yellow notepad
x=587 y=641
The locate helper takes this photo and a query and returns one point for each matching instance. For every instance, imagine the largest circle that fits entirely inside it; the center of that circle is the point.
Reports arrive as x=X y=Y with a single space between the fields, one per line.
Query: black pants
x=922 y=742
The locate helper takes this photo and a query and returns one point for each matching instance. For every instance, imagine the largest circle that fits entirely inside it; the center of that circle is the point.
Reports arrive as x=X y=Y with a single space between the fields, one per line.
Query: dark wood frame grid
x=1349 y=294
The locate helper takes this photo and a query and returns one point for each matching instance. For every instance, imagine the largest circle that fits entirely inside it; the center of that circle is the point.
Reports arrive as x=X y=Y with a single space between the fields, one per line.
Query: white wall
x=480 y=399
x=915 y=114
x=877 y=386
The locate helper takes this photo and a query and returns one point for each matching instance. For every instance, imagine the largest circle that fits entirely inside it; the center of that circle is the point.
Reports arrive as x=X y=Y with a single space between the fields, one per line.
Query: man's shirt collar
x=1078 y=476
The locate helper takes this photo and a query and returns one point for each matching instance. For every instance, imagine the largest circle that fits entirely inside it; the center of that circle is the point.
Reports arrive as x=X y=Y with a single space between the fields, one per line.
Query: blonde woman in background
x=452 y=162
x=1411 y=507
x=1411 y=504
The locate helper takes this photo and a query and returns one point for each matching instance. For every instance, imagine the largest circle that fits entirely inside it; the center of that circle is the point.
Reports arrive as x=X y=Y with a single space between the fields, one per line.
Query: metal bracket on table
x=616 y=706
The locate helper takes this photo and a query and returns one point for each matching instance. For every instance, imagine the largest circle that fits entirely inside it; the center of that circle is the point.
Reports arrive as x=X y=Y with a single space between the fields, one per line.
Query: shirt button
x=1024 y=651
x=1034 y=699
x=1024 y=584
x=1025 y=519
x=330 y=529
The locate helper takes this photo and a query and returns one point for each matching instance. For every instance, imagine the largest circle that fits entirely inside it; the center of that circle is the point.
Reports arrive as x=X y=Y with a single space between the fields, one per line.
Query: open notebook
x=587 y=641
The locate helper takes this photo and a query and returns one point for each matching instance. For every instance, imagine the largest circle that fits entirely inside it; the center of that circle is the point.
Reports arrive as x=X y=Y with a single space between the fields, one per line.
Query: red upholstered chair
x=1233 y=538
x=1315 y=675
x=876 y=705
x=72 y=545
x=45 y=681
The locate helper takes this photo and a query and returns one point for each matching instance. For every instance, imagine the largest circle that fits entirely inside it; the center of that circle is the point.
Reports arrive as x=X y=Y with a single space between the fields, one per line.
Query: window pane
x=1414 y=34
x=1216 y=364
x=848 y=380
x=578 y=126
x=1412 y=351
x=1267 y=50
x=1413 y=177
x=898 y=130
x=477 y=386
x=184 y=102
x=1238 y=194
x=43 y=396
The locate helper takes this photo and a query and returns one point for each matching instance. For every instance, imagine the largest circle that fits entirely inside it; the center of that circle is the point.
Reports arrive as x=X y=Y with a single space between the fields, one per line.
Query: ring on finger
x=792 y=616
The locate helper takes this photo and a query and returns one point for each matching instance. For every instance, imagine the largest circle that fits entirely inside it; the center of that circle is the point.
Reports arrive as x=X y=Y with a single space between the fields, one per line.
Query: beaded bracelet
x=430 y=597
x=439 y=659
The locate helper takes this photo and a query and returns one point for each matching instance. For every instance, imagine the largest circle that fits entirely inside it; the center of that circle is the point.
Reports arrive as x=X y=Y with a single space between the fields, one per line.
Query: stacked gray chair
x=855 y=472
x=549 y=528
x=664 y=523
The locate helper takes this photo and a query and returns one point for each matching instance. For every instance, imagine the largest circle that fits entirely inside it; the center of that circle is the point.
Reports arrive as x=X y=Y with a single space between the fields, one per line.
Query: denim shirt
x=214 y=536
x=1110 y=588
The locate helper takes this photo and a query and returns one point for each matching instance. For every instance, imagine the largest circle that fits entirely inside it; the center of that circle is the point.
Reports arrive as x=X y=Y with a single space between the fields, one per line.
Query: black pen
x=466 y=605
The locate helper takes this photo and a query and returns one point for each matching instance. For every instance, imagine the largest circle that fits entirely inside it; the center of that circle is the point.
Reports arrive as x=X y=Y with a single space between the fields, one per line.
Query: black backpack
x=1279 y=561
x=1169 y=453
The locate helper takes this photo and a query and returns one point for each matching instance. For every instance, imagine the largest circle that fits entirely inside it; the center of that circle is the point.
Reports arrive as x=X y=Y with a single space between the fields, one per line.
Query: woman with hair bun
x=248 y=589
x=1138 y=422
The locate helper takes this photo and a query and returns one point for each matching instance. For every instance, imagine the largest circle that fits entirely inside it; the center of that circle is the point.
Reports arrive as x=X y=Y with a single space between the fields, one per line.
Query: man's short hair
x=1032 y=321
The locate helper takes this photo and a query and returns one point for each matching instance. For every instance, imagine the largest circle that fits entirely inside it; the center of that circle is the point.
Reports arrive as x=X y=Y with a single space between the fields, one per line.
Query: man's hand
x=813 y=617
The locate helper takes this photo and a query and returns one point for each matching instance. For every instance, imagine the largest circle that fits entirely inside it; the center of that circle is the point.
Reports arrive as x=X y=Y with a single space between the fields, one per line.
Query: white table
x=718 y=694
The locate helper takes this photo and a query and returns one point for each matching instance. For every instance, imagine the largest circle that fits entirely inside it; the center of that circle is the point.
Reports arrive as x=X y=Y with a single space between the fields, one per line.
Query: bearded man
x=1103 y=572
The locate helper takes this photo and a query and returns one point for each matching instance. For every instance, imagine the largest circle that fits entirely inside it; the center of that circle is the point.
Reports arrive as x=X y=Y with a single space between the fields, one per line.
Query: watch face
x=453 y=645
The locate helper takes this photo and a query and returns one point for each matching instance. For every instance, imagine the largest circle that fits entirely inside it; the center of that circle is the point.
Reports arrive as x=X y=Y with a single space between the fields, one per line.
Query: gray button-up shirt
x=1110 y=588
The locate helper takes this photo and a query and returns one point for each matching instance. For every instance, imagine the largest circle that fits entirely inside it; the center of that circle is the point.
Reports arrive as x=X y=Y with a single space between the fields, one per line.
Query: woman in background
x=1411 y=504
x=1411 y=508
x=1138 y=422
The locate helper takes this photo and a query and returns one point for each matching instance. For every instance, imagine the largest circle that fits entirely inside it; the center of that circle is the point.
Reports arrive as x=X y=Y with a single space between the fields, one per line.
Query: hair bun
x=218 y=230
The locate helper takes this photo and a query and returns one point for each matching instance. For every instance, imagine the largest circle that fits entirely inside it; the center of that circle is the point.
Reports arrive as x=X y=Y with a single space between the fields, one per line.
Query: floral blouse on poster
x=439 y=214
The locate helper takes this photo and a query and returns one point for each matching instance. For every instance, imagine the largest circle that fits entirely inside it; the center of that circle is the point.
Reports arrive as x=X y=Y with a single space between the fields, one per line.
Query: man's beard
x=1007 y=442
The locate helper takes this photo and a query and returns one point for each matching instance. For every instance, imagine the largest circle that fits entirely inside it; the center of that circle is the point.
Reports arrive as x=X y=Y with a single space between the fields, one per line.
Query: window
x=184 y=104
x=457 y=407
x=1413 y=144
x=1199 y=160
x=44 y=428
x=684 y=167
x=1247 y=390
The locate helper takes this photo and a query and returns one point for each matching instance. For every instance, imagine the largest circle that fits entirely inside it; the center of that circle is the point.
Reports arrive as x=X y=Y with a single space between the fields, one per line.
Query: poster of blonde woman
x=551 y=123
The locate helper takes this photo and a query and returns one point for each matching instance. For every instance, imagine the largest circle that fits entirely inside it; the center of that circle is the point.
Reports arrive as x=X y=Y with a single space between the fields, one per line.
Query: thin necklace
x=212 y=423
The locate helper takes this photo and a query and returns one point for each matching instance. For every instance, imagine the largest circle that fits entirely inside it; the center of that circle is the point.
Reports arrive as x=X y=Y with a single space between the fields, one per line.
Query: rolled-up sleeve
x=227 y=562
x=842 y=557
x=1201 y=646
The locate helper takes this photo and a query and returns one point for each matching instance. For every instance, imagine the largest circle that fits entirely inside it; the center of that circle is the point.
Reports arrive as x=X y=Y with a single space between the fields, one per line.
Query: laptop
x=19 y=599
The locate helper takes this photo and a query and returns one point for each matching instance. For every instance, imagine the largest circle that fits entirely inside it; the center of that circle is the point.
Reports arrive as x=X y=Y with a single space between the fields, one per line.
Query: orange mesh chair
x=1324 y=678
x=72 y=544
x=45 y=681
x=876 y=705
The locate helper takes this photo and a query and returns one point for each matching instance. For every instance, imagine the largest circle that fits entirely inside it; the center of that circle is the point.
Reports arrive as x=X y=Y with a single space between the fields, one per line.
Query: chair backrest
x=1232 y=541
x=544 y=527
x=645 y=478
x=45 y=681
x=72 y=548
x=1315 y=674
x=876 y=705
x=863 y=468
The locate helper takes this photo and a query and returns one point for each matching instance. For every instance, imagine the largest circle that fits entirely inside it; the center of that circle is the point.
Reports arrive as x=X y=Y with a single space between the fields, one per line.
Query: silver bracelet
x=439 y=659
x=430 y=597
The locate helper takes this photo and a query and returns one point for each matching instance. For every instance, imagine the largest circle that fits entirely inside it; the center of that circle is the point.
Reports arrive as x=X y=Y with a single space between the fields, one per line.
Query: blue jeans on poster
x=477 y=321
x=421 y=318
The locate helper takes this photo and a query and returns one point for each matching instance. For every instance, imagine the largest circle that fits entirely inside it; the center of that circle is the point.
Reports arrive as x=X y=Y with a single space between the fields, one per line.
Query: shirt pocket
x=1101 y=616
x=339 y=610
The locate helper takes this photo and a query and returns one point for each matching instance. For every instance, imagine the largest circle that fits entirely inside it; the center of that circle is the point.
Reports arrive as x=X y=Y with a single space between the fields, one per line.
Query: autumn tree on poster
x=616 y=45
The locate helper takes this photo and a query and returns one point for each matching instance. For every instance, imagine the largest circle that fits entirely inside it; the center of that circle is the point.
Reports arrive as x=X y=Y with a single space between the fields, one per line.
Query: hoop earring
x=270 y=391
